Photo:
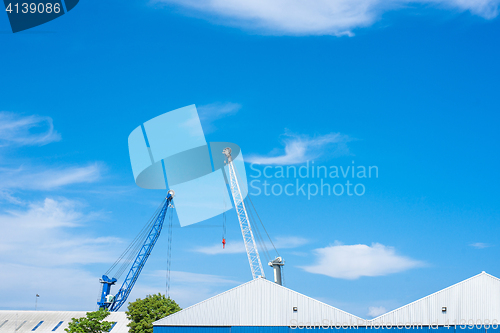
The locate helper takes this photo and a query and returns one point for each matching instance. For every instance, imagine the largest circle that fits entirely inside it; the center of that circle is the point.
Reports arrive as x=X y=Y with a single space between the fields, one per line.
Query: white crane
x=246 y=229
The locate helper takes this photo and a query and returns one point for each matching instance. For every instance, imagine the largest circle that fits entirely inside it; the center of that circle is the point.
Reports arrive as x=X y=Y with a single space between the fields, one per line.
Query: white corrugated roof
x=264 y=303
x=12 y=321
x=257 y=303
x=475 y=299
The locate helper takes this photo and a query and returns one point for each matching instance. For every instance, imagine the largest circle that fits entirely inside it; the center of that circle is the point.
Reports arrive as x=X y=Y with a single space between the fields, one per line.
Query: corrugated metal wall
x=257 y=303
x=259 y=329
x=284 y=329
x=26 y=321
x=261 y=303
x=474 y=300
x=188 y=329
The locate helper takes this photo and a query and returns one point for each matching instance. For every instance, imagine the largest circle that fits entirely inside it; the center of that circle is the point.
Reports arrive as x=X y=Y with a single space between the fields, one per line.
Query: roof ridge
x=261 y=280
x=434 y=293
x=206 y=300
x=278 y=285
x=491 y=276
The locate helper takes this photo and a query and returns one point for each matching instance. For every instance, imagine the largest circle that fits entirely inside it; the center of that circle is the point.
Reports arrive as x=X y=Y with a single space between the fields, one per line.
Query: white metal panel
x=264 y=303
x=12 y=321
x=476 y=299
x=258 y=303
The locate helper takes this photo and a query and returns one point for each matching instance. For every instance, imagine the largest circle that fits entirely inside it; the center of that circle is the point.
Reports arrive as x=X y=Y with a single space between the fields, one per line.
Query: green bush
x=92 y=323
x=143 y=312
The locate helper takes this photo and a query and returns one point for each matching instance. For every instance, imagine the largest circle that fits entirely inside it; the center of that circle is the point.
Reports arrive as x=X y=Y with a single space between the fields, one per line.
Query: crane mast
x=113 y=303
x=246 y=229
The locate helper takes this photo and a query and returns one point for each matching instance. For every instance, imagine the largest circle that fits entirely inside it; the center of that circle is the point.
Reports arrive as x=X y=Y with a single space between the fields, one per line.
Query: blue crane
x=113 y=303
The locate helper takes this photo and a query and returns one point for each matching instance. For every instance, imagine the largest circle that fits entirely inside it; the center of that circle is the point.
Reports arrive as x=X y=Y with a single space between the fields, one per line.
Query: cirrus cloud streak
x=33 y=130
x=302 y=148
x=315 y=17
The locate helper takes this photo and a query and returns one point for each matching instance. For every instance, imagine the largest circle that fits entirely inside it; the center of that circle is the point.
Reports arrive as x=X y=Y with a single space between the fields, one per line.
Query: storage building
x=263 y=306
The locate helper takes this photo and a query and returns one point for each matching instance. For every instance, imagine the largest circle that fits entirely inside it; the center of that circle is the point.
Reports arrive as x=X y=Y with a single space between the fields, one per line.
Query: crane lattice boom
x=113 y=303
x=246 y=229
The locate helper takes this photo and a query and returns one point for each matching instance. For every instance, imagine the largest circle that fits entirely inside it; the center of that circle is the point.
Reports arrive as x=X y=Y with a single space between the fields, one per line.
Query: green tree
x=143 y=312
x=92 y=323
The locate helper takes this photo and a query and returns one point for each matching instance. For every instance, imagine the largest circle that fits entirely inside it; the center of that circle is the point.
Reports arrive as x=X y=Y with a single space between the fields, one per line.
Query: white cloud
x=375 y=311
x=210 y=112
x=31 y=130
x=302 y=148
x=17 y=130
x=40 y=235
x=353 y=261
x=45 y=179
x=60 y=288
x=43 y=245
x=484 y=8
x=289 y=242
x=480 y=245
x=217 y=110
x=315 y=17
x=45 y=250
x=239 y=247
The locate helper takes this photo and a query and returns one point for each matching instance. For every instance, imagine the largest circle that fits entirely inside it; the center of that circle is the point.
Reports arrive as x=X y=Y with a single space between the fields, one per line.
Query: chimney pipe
x=276 y=265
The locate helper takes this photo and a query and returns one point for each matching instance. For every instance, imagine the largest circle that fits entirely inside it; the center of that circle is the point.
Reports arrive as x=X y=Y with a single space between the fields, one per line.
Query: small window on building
x=18 y=327
x=443 y=309
x=57 y=326
x=3 y=323
x=112 y=325
x=37 y=325
x=294 y=309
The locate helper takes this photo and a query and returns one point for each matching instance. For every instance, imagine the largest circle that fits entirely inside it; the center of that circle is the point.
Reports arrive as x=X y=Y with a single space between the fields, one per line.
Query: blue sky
x=409 y=87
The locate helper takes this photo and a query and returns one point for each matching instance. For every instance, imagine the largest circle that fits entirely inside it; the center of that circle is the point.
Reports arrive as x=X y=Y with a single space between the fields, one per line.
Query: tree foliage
x=143 y=312
x=92 y=323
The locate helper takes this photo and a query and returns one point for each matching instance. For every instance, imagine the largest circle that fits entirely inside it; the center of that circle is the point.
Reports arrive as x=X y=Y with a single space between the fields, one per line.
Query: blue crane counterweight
x=113 y=303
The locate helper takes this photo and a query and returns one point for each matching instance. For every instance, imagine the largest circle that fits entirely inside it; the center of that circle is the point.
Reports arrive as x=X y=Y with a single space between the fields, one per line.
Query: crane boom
x=246 y=229
x=113 y=303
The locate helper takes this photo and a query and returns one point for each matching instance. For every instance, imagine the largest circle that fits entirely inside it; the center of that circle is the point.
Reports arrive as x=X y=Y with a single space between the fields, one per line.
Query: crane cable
x=275 y=249
x=125 y=259
x=224 y=220
x=169 y=251
x=248 y=199
x=137 y=240
x=258 y=235
x=256 y=213
x=137 y=247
